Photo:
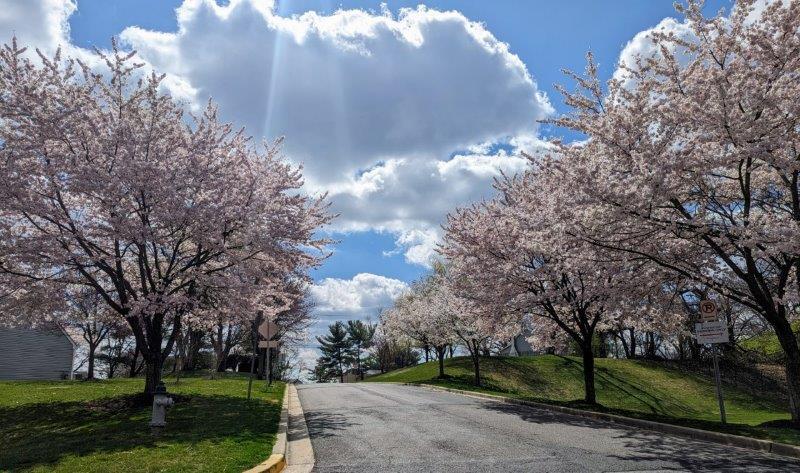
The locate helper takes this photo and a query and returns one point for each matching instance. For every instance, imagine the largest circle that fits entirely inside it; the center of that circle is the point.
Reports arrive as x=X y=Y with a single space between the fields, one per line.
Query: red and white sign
x=708 y=311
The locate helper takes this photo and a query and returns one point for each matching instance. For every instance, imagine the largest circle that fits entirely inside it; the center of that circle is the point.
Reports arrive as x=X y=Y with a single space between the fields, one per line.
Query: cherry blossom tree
x=692 y=162
x=422 y=315
x=513 y=255
x=106 y=183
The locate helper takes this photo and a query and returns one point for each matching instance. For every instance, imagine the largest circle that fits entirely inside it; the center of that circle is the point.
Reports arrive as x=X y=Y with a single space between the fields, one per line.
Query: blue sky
x=400 y=118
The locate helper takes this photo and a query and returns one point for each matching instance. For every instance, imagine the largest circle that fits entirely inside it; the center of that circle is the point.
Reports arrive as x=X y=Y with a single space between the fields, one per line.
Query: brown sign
x=268 y=329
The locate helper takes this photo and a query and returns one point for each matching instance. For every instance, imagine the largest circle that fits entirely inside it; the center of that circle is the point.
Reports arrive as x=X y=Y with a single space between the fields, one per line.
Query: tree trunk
x=150 y=337
x=602 y=350
x=358 y=362
x=222 y=359
x=790 y=346
x=152 y=373
x=476 y=361
x=588 y=373
x=441 y=351
x=650 y=346
x=624 y=344
x=633 y=342
x=90 y=369
x=133 y=371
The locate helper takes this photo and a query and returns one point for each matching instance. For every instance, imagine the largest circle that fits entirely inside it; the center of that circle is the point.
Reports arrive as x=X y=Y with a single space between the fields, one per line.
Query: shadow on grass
x=606 y=382
x=42 y=434
x=642 y=446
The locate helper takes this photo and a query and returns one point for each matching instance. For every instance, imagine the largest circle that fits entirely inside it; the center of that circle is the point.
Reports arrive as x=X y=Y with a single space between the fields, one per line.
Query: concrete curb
x=299 y=450
x=698 y=434
x=277 y=460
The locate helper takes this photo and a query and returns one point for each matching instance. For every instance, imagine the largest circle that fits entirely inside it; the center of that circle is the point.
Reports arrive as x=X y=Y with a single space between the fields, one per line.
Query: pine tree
x=360 y=336
x=337 y=351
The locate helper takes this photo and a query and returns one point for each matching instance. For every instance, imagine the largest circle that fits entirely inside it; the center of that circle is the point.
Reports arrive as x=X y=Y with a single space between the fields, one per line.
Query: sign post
x=255 y=327
x=268 y=330
x=713 y=331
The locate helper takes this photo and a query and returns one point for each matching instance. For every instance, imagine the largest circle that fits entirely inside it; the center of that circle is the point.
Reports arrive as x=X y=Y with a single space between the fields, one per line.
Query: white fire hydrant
x=160 y=404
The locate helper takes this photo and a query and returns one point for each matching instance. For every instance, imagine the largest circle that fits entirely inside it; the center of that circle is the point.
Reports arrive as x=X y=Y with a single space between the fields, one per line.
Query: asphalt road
x=388 y=428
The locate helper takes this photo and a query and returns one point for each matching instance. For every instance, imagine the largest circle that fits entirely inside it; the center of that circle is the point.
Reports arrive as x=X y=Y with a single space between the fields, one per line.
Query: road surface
x=390 y=428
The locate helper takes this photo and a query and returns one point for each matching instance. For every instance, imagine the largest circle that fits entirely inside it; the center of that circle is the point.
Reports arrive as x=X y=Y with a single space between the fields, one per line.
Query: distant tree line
x=357 y=347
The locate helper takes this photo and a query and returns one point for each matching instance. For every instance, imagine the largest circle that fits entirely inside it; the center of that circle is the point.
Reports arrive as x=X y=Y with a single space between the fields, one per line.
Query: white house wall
x=33 y=354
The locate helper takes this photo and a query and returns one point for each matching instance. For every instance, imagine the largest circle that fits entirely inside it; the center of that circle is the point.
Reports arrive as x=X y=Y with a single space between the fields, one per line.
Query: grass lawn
x=95 y=426
x=767 y=343
x=628 y=387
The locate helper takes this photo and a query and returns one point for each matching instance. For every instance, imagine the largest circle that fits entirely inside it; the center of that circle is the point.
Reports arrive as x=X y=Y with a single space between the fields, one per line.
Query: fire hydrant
x=160 y=404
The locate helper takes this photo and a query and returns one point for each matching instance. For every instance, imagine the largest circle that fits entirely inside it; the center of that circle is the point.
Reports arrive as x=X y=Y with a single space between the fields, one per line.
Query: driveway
x=390 y=428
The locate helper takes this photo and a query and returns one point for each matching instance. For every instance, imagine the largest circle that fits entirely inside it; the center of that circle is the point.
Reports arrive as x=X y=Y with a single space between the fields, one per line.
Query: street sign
x=269 y=344
x=268 y=329
x=708 y=311
x=712 y=332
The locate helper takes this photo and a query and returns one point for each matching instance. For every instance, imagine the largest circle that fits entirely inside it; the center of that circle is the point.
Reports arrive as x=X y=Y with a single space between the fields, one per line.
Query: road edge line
x=276 y=462
x=766 y=446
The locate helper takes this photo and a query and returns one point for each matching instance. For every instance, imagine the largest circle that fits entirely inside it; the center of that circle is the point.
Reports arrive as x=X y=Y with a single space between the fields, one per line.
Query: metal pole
x=269 y=359
x=256 y=323
x=269 y=367
x=718 y=380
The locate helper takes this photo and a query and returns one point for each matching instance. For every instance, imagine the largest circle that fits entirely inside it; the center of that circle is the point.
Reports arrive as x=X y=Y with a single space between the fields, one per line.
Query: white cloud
x=352 y=88
x=361 y=297
x=642 y=46
x=372 y=104
x=411 y=199
x=39 y=24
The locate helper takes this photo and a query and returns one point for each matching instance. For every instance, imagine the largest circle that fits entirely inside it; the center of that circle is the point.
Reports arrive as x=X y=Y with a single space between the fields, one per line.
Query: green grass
x=767 y=343
x=633 y=388
x=95 y=426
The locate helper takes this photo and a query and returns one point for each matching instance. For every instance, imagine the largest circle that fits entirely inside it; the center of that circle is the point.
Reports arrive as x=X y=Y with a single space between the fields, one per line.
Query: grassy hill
x=767 y=343
x=634 y=388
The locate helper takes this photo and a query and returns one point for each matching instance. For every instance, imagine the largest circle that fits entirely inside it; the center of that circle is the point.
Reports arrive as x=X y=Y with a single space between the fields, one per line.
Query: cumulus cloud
x=361 y=297
x=412 y=199
x=38 y=23
x=642 y=46
x=373 y=105
x=352 y=88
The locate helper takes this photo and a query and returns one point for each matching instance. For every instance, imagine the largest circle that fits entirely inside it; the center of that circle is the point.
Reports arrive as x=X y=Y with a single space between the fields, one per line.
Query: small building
x=42 y=353
x=519 y=346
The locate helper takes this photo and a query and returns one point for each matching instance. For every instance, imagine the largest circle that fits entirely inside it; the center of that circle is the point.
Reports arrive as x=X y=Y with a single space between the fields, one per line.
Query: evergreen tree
x=360 y=336
x=337 y=351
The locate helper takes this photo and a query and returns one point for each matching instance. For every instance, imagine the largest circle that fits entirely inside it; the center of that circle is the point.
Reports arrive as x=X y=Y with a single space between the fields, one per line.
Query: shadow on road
x=323 y=424
x=645 y=445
